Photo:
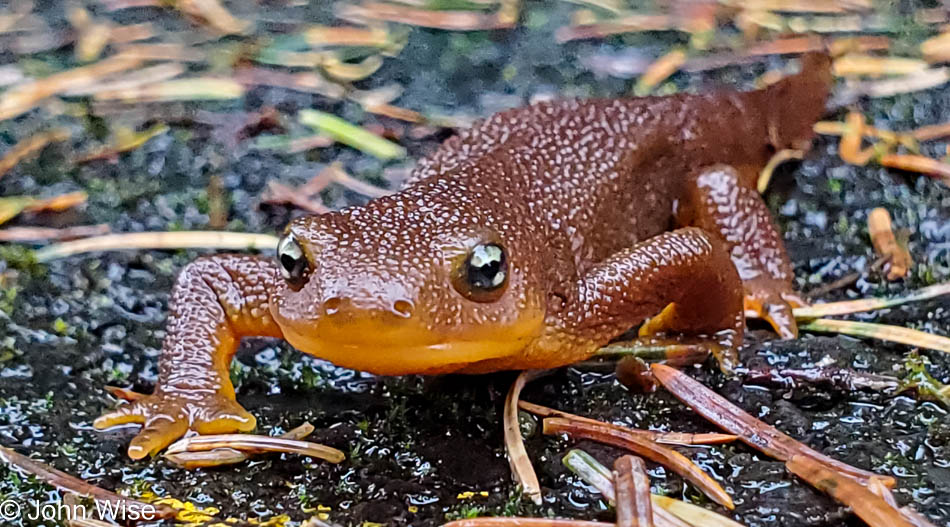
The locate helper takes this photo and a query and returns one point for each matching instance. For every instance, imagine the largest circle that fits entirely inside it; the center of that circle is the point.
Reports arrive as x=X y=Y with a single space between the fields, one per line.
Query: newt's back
x=606 y=173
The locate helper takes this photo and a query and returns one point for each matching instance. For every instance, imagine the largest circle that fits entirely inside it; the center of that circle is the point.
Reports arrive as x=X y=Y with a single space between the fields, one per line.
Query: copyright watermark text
x=119 y=511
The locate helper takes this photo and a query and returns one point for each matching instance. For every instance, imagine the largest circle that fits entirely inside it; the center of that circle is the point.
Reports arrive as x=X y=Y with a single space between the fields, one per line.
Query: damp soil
x=420 y=450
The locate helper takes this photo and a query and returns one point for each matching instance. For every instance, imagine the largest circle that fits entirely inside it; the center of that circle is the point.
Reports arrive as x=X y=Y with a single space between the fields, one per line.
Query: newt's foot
x=773 y=302
x=686 y=348
x=166 y=417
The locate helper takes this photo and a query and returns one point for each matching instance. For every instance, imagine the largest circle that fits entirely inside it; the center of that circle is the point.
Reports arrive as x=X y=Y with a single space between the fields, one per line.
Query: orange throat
x=370 y=346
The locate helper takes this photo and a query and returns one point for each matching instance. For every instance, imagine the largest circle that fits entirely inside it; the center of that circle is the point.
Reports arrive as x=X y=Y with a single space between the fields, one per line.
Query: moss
x=464 y=511
x=22 y=258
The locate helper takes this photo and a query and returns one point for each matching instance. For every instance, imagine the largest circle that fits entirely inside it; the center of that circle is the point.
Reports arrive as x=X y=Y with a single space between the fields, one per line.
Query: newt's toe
x=227 y=419
x=122 y=416
x=159 y=432
x=774 y=305
x=168 y=416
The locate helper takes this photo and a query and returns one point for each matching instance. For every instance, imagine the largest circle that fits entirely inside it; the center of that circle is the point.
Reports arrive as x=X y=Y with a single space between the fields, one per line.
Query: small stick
x=879 y=489
x=870 y=508
x=648 y=449
x=844 y=281
x=765 y=438
x=159 y=240
x=74 y=485
x=922 y=80
x=777 y=159
x=448 y=20
x=632 y=486
x=849 y=148
x=42 y=234
x=842 y=379
x=667 y=511
x=256 y=445
x=352 y=135
x=934 y=131
x=30 y=146
x=669 y=438
x=659 y=71
x=227 y=455
x=919 y=164
x=854 y=64
x=908 y=336
x=885 y=243
x=514 y=444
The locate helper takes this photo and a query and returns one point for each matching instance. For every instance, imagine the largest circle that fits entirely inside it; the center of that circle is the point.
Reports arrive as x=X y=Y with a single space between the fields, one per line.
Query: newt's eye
x=483 y=274
x=292 y=262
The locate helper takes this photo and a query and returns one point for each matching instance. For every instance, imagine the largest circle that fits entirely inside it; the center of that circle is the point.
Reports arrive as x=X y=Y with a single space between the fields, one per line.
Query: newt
x=527 y=241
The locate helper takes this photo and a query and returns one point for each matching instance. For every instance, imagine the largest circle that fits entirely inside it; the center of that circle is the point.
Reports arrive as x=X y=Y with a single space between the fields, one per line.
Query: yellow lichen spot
x=276 y=521
x=413 y=509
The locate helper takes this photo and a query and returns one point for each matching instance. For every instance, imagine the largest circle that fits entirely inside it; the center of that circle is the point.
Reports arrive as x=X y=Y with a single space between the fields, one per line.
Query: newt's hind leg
x=721 y=202
x=686 y=276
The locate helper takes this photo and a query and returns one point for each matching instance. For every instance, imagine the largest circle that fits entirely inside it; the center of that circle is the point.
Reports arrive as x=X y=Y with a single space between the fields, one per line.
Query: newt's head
x=396 y=288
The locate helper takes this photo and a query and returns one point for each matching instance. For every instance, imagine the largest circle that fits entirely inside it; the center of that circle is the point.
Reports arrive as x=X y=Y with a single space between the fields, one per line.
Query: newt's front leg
x=216 y=301
x=720 y=201
x=685 y=274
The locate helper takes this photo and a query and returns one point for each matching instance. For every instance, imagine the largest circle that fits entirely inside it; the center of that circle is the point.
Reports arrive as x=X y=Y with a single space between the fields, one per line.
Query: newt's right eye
x=292 y=262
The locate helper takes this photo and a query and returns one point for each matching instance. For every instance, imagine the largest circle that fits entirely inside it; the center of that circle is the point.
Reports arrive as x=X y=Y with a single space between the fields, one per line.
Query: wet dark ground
x=415 y=445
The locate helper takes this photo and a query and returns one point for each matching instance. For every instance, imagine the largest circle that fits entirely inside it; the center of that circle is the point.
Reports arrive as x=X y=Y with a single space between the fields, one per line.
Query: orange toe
x=158 y=433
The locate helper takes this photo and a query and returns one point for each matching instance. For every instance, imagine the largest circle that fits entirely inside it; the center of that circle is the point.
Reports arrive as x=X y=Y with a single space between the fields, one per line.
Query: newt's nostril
x=403 y=308
x=332 y=305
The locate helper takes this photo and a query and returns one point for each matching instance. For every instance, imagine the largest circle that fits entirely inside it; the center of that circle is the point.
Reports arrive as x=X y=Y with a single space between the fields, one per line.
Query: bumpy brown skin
x=582 y=196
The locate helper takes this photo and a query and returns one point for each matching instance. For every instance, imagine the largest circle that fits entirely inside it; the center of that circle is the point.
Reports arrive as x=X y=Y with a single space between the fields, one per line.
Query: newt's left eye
x=483 y=274
x=292 y=262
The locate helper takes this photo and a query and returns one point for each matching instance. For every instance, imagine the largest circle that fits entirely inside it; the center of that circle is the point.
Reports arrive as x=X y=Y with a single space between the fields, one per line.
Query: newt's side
x=528 y=241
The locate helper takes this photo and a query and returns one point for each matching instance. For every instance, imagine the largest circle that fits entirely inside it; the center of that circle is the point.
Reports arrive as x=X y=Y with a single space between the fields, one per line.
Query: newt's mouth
x=378 y=347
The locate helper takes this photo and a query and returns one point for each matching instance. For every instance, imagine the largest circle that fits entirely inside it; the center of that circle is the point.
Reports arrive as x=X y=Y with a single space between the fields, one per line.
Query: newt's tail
x=797 y=102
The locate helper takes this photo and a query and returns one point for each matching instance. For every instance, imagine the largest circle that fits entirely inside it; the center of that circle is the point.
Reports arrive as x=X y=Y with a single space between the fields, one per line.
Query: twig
x=514 y=444
x=777 y=159
x=23 y=98
x=842 y=379
x=74 y=485
x=919 y=164
x=910 y=337
x=667 y=511
x=648 y=449
x=253 y=444
x=750 y=430
x=41 y=234
x=885 y=243
x=844 y=281
x=192 y=89
x=448 y=20
x=632 y=486
x=352 y=135
x=668 y=438
x=870 y=508
x=159 y=240
x=30 y=146
x=659 y=70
